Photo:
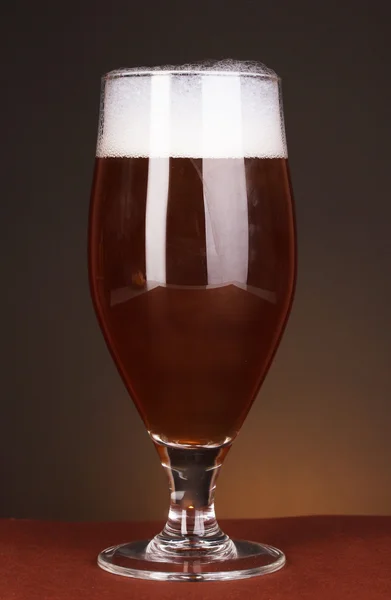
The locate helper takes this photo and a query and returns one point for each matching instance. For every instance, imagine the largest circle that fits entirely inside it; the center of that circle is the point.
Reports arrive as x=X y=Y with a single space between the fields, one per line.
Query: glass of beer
x=192 y=271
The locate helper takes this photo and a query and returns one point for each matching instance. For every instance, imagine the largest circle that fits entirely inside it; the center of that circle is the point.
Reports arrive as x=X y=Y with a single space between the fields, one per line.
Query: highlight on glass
x=192 y=261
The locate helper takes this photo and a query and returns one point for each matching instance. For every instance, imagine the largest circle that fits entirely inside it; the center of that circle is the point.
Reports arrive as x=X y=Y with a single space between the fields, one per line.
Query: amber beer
x=192 y=297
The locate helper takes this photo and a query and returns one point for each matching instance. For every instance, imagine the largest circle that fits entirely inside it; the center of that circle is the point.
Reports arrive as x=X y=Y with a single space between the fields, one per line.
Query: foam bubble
x=225 y=109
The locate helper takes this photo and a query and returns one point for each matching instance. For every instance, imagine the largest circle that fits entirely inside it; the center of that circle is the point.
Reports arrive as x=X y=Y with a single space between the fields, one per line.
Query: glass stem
x=191 y=524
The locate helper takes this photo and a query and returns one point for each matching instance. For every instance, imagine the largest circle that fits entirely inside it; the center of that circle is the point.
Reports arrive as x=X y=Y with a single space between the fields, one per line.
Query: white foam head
x=225 y=109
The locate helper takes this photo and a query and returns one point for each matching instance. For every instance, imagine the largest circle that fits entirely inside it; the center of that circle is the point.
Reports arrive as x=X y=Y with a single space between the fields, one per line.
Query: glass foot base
x=247 y=559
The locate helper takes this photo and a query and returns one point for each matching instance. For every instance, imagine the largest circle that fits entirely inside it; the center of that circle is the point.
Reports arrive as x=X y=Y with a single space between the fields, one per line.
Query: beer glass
x=192 y=271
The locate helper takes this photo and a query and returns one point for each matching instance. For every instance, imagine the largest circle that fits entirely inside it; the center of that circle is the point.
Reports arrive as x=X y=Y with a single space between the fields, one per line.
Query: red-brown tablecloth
x=329 y=558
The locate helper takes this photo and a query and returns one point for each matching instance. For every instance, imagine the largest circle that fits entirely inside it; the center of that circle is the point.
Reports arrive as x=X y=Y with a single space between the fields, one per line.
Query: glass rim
x=145 y=72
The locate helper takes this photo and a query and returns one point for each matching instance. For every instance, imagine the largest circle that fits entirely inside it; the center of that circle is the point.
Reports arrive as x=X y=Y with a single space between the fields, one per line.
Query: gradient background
x=318 y=439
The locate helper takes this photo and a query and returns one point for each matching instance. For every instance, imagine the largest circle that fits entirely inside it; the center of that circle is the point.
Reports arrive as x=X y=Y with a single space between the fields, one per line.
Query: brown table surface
x=329 y=558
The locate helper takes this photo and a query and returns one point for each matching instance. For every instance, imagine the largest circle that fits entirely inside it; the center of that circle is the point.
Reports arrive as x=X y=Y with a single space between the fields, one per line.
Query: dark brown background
x=318 y=439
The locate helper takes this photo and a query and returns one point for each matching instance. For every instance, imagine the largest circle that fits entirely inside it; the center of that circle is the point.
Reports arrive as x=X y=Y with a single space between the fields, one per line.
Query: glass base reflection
x=241 y=560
